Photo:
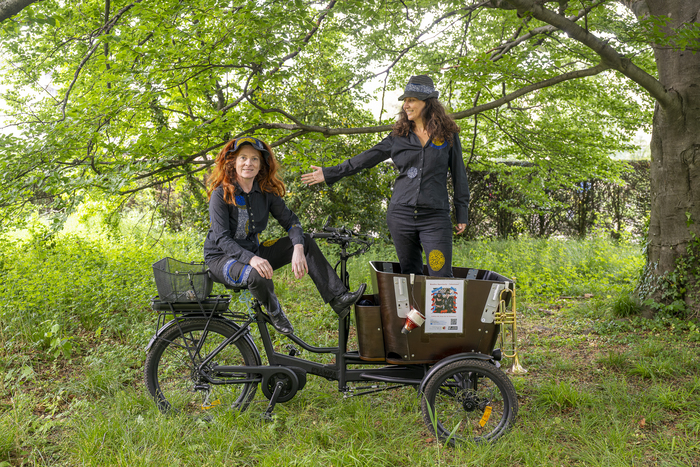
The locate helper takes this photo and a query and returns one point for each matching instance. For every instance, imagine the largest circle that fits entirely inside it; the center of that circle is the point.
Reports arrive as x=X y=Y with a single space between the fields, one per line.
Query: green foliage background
x=124 y=97
x=94 y=279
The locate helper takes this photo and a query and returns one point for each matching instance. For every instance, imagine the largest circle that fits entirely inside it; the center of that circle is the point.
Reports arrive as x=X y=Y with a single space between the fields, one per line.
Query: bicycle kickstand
x=267 y=415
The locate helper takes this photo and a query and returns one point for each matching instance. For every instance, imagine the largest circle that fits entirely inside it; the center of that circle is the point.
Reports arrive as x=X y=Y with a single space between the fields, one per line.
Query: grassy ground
x=601 y=390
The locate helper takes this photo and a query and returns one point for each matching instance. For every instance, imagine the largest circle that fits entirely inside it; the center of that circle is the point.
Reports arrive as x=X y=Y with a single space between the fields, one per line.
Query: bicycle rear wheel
x=171 y=374
x=469 y=400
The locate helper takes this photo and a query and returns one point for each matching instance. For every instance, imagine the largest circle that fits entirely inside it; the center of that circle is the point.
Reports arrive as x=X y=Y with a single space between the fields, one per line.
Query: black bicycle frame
x=395 y=374
x=279 y=362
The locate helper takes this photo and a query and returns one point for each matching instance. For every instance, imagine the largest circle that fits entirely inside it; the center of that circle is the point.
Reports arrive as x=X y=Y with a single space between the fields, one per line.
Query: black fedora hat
x=421 y=87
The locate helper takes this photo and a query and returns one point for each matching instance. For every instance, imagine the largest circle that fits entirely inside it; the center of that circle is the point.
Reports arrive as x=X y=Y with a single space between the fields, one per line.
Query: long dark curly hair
x=438 y=124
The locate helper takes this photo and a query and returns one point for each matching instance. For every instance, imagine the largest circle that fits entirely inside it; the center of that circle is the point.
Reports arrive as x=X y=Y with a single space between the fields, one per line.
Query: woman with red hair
x=244 y=190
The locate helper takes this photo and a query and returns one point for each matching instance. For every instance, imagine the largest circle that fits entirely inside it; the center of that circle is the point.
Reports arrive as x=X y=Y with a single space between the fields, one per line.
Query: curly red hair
x=224 y=173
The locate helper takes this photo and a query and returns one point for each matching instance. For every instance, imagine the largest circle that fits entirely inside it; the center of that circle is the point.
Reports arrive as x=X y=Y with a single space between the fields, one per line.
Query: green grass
x=604 y=387
x=544 y=269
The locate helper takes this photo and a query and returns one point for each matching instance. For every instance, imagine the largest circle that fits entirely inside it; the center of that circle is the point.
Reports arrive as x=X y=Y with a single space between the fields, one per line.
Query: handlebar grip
x=323 y=235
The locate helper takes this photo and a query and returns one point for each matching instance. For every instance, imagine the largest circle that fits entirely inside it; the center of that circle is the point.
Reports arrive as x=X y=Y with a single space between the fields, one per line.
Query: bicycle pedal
x=293 y=351
x=211 y=404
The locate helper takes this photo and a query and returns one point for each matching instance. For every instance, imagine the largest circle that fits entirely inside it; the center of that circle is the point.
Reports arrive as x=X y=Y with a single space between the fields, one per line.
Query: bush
x=625 y=305
x=545 y=269
x=57 y=283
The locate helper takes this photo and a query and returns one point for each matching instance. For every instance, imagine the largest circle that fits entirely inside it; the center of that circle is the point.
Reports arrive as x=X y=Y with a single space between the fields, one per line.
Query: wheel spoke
x=471 y=400
x=173 y=378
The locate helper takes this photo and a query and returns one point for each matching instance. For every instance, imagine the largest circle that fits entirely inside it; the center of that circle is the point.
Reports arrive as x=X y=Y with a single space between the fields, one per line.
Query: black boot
x=279 y=321
x=342 y=303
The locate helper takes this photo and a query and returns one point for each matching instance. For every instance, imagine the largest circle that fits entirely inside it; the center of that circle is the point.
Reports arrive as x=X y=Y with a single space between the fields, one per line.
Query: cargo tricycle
x=205 y=356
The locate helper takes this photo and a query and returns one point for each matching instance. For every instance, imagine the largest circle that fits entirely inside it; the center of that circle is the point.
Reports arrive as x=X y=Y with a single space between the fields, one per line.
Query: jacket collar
x=239 y=190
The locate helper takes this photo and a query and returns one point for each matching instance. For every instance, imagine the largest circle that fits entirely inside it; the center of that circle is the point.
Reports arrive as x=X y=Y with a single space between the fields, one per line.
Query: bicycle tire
x=469 y=400
x=170 y=374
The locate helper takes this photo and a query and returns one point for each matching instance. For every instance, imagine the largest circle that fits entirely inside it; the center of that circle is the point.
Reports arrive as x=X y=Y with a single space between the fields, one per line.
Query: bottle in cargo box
x=414 y=319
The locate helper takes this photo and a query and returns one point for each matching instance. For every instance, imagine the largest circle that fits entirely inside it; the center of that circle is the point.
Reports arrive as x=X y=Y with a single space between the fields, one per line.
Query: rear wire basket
x=181 y=282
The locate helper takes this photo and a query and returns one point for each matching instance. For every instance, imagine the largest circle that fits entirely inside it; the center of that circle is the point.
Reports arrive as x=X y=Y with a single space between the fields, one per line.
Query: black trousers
x=416 y=229
x=278 y=253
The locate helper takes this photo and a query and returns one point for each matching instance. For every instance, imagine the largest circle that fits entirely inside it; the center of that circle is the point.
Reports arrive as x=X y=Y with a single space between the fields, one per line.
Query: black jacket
x=422 y=180
x=235 y=230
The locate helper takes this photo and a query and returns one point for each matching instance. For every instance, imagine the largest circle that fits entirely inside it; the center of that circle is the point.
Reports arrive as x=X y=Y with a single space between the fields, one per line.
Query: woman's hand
x=262 y=266
x=299 y=266
x=460 y=228
x=314 y=177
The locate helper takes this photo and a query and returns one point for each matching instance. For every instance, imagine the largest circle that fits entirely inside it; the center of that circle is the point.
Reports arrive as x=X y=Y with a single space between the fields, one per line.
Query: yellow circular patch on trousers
x=436 y=260
x=270 y=242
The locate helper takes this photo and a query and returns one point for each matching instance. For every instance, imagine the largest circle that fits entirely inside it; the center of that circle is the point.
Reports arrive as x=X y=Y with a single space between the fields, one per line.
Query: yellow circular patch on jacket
x=436 y=260
x=270 y=242
x=438 y=143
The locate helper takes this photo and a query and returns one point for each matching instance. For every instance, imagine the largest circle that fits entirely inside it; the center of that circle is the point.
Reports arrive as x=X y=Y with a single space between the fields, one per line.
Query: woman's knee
x=255 y=280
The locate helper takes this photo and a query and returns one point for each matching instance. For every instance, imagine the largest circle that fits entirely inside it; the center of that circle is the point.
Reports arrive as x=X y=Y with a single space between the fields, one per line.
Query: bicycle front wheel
x=172 y=373
x=469 y=400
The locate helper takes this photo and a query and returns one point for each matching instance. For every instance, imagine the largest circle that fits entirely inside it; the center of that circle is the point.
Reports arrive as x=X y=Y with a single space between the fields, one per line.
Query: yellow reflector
x=213 y=404
x=487 y=415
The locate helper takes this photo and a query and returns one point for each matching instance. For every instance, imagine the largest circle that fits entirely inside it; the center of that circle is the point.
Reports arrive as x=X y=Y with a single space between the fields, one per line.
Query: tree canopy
x=121 y=96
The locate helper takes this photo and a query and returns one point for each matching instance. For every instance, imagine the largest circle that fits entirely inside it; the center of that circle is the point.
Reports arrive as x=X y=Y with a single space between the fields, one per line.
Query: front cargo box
x=394 y=294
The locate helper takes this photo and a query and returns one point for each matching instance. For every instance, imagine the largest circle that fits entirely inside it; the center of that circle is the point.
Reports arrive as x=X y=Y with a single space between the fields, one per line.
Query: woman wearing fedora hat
x=244 y=189
x=424 y=144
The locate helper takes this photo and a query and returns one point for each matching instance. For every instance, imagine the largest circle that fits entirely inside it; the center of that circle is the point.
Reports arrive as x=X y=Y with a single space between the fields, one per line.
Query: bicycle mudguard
x=225 y=321
x=450 y=359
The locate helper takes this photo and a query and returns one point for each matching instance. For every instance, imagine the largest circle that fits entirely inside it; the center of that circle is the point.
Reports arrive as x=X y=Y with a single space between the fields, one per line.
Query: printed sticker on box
x=444 y=305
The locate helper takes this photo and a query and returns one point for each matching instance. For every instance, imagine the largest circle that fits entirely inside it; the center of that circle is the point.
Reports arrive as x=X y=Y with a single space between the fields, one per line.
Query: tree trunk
x=675 y=167
x=9 y=8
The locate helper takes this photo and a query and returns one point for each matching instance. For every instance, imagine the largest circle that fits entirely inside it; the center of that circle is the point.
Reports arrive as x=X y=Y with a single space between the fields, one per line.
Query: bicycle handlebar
x=343 y=236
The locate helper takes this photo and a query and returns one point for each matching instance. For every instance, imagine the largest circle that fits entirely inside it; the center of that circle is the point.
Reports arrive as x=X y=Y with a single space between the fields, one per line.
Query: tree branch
x=247 y=93
x=327 y=131
x=160 y=182
x=306 y=38
x=106 y=44
x=184 y=161
x=9 y=8
x=609 y=56
x=533 y=87
x=241 y=98
x=281 y=141
x=500 y=51
x=272 y=110
x=105 y=29
x=415 y=42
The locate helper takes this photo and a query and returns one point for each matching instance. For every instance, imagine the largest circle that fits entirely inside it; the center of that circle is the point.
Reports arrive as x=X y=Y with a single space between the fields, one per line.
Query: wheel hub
x=469 y=402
